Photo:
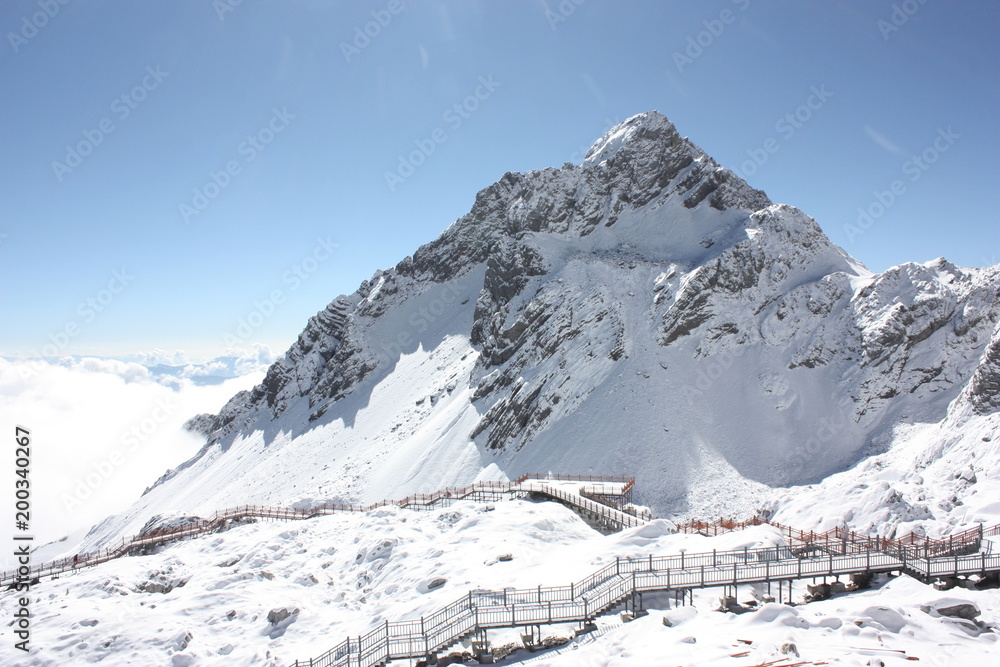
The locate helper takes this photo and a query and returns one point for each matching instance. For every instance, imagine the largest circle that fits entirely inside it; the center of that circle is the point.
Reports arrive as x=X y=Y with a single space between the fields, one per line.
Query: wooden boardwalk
x=606 y=502
x=833 y=554
x=604 y=508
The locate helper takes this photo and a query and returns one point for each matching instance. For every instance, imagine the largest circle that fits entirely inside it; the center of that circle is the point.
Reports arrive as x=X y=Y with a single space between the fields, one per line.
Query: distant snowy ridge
x=646 y=312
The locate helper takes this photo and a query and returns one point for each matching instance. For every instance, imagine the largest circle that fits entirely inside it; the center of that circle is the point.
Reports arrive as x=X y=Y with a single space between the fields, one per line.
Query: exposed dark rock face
x=984 y=388
x=508 y=271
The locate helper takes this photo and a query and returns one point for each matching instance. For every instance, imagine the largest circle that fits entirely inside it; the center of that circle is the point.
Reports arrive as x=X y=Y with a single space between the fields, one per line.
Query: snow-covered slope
x=270 y=593
x=646 y=312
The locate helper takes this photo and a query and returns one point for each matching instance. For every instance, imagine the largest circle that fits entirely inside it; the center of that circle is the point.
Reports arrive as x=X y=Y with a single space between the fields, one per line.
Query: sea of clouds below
x=102 y=430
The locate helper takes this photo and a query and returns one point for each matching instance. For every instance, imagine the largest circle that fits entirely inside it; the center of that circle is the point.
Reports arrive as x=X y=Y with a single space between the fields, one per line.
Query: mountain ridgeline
x=646 y=312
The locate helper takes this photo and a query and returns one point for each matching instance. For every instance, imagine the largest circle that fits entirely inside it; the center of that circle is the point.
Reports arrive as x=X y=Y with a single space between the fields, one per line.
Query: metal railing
x=543 y=477
x=614 y=583
x=842 y=541
x=479 y=491
x=605 y=514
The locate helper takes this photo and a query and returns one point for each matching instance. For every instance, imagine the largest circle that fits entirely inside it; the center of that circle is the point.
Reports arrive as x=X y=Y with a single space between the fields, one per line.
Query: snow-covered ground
x=935 y=479
x=207 y=601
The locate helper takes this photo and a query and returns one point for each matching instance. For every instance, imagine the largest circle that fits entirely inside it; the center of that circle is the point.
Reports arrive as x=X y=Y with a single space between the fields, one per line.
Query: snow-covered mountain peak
x=639 y=166
x=645 y=312
x=647 y=127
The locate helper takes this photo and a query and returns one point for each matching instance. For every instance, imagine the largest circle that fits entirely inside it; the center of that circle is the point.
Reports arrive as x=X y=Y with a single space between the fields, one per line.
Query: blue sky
x=190 y=175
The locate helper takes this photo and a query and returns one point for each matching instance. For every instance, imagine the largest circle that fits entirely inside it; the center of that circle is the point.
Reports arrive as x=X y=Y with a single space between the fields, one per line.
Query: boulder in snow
x=965 y=610
x=279 y=614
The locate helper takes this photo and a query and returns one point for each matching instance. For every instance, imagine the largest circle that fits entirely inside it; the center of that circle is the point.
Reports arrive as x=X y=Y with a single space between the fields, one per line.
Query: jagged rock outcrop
x=983 y=392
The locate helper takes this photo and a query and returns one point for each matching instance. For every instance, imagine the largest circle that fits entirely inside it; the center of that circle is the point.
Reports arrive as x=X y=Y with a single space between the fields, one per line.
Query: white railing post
x=388 y=646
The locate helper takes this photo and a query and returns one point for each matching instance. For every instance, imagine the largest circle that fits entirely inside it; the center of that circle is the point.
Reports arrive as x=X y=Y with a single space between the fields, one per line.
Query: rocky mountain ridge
x=644 y=312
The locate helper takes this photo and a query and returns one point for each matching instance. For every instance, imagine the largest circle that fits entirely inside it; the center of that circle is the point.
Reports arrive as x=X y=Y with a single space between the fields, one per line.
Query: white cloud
x=882 y=140
x=230 y=363
x=127 y=371
x=258 y=354
x=216 y=367
x=102 y=430
x=160 y=357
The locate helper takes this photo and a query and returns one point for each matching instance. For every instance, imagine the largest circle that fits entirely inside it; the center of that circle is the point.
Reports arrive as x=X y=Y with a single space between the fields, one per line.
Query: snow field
x=206 y=601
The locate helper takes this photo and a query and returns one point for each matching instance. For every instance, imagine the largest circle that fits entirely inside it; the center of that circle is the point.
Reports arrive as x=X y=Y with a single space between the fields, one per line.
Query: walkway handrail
x=215 y=521
x=610 y=585
x=542 y=477
x=840 y=539
x=616 y=517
